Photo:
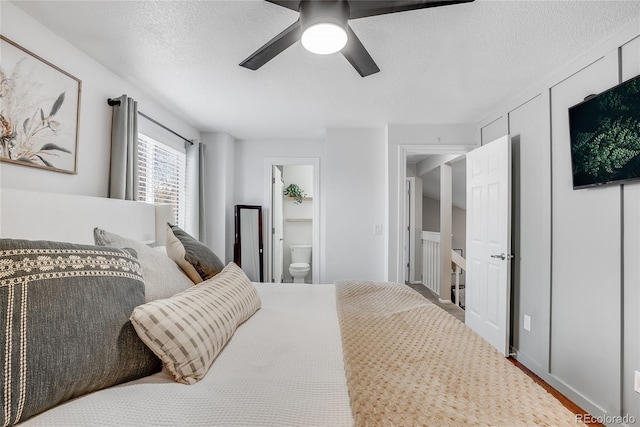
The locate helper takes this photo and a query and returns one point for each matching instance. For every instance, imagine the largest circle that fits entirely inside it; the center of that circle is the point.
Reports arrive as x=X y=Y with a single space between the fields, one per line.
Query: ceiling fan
x=323 y=28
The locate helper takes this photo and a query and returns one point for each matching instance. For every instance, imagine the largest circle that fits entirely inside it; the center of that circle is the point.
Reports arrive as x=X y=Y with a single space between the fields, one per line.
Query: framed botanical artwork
x=39 y=111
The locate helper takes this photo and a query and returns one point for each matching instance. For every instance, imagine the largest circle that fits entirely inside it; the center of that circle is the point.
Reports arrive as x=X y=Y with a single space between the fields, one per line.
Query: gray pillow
x=162 y=277
x=65 y=325
x=195 y=258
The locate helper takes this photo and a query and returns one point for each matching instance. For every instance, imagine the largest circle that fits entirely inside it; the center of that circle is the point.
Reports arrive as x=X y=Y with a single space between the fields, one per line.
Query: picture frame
x=39 y=111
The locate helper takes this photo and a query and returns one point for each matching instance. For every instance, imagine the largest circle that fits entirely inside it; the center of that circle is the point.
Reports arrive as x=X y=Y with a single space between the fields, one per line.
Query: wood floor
x=561 y=397
x=458 y=313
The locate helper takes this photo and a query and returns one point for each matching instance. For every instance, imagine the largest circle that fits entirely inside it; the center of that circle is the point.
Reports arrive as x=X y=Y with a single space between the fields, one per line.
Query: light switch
x=527 y=323
x=377 y=229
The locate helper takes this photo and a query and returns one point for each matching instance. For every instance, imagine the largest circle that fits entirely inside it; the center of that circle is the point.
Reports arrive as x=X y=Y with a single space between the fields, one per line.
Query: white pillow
x=161 y=249
x=188 y=330
x=162 y=277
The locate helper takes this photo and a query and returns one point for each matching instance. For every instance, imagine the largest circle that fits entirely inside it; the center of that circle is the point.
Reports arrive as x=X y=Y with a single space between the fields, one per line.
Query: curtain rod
x=113 y=102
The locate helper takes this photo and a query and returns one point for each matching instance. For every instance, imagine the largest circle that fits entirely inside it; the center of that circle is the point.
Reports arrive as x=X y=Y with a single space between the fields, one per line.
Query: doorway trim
x=405 y=150
x=269 y=162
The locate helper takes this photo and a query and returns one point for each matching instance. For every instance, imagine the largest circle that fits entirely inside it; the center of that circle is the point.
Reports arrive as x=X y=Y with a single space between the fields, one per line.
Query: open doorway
x=432 y=208
x=433 y=218
x=292 y=201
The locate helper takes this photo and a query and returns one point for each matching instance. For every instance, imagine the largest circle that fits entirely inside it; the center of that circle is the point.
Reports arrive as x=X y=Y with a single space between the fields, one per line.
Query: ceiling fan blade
x=357 y=55
x=273 y=48
x=289 y=4
x=364 y=8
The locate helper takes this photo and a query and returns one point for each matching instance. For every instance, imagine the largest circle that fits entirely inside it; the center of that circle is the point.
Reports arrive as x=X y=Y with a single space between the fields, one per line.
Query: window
x=161 y=176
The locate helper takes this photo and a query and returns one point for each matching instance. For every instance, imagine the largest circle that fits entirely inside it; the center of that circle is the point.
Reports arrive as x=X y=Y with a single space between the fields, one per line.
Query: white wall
x=251 y=175
x=302 y=175
x=98 y=84
x=352 y=195
x=219 y=197
x=354 y=201
x=250 y=164
x=412 y=135
x=576 y=270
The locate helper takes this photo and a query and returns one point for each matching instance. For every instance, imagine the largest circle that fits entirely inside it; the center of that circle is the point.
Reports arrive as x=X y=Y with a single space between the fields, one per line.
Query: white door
x=411 y=220
x=407 y=232
x=277 y=220
x=489 y=242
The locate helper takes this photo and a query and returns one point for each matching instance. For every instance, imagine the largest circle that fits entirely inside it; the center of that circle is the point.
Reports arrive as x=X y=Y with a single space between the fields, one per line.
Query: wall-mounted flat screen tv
x=605 y=136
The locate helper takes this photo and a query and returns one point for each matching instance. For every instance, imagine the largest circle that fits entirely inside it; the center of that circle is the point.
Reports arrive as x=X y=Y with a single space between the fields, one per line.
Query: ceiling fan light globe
x=324 y=38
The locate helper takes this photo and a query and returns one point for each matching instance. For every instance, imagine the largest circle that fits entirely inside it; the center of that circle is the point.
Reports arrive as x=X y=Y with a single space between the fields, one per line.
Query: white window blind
x=161 y=175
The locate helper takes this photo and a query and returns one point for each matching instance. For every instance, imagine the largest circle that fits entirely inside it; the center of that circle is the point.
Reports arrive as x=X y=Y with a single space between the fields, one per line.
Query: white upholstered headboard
x=70 y=218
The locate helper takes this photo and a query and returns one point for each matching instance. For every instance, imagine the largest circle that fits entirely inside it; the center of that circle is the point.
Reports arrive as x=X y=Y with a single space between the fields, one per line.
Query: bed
x=349 y=353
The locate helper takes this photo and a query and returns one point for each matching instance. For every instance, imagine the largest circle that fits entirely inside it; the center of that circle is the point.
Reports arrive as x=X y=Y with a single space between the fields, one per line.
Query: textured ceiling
x=441 y=65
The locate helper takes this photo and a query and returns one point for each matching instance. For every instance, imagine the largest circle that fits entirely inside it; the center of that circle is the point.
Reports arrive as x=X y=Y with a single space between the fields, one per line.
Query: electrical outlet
x=527 y=323
x=636 y=383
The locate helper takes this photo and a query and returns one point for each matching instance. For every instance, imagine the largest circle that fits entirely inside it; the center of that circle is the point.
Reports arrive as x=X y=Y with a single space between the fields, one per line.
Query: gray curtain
x=123 y=179
x=201 y=188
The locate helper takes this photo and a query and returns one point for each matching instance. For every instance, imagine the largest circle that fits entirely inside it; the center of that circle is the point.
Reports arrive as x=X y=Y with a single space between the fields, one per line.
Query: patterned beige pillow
x=188 y=330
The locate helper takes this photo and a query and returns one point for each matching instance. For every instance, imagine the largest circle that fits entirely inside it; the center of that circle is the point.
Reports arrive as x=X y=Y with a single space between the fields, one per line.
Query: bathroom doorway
x=292 y=220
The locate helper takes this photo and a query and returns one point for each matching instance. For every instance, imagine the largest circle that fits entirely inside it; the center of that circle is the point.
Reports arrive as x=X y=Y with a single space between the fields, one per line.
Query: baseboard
x=560 y=386
x=445 y=301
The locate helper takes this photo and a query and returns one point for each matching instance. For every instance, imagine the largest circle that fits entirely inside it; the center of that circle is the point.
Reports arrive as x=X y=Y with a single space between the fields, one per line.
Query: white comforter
x=283 y=367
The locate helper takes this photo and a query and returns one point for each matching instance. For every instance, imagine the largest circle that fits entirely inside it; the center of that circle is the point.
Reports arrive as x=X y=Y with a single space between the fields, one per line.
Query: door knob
x=502 y=256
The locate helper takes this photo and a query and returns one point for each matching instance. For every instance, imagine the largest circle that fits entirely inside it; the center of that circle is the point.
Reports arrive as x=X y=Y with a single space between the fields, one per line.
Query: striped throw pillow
x=188 y=330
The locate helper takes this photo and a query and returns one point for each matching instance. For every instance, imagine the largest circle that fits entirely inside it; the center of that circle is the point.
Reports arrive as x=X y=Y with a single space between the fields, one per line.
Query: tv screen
x=605 y=136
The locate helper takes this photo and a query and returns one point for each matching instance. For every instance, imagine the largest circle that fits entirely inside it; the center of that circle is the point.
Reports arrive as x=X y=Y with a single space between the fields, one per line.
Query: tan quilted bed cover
x=410 y=363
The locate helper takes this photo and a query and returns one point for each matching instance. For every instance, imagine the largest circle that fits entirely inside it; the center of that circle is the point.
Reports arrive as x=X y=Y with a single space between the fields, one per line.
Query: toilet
x=300 y=262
